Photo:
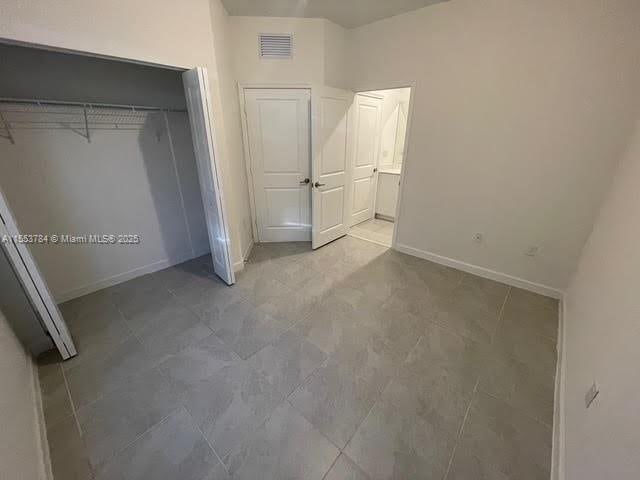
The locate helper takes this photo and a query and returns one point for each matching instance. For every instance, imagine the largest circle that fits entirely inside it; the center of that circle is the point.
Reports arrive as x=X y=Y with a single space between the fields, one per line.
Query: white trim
x=558 y=446
x=386 y=218
x=481 y=271
x=121 y=277
x=247 y=251
x=371 y=94
x=367 y=239
x=239 y=265
x=247 y=162
x=388 y=85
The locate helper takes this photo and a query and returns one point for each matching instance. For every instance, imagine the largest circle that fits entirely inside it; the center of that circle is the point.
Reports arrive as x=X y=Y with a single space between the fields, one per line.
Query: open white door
x=330 y=120
x=33 y=282
x=196 y=88
x=367 y=112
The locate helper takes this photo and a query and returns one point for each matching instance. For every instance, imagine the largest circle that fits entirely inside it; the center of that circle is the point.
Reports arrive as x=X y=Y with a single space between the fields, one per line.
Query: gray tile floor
x=374 y=230
x=349 y=362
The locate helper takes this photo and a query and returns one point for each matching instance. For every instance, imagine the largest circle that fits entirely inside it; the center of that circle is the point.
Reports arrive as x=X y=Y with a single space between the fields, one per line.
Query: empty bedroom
x=319 y=239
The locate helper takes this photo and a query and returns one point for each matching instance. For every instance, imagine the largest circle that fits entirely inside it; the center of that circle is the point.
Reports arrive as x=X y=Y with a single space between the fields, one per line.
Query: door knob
x=318 y=184
x=305 y=181
x=375 y=170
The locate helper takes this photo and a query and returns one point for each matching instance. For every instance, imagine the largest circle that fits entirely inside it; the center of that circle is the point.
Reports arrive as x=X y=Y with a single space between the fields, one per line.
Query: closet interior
x=102 y=148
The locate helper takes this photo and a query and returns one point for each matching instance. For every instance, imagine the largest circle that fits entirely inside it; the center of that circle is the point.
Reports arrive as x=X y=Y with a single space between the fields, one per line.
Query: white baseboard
x=238 y=266
x=205 y=250
x=557 y=453
x=386 y=218
x=367 y=238
x=482 y=272
x=122 y=277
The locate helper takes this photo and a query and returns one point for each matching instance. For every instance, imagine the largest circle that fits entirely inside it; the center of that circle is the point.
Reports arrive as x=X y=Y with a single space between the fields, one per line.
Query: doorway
x=323 y=162
x=379 y=137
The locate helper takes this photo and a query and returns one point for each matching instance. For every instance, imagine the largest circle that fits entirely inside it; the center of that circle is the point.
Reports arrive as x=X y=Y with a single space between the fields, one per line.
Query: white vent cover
x=276 y=45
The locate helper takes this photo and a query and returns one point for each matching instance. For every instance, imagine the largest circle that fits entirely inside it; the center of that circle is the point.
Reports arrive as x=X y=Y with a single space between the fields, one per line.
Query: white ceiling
x=348 y=13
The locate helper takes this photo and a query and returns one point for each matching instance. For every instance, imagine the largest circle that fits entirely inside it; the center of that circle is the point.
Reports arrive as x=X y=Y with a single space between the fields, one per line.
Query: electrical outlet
x=478 y=237
x=591 y=395
x=531 y=251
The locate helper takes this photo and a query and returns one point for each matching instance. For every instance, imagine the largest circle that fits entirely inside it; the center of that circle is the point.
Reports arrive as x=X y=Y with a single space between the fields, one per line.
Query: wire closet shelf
x=81 y=118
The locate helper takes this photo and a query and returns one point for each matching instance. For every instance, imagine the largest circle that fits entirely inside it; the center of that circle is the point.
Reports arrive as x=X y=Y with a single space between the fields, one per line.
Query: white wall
x=319 y=51
x=521 y=109
x=177 y=34
x=233 y=168
x=307 y=64
x=164 y=33
x=123 y=182
x=336 y=56
x=602 y=309
x=21 y=455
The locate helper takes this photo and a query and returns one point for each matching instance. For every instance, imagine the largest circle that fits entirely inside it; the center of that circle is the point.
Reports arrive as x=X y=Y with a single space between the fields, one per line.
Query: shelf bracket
x=86 y=124
x=7 y=128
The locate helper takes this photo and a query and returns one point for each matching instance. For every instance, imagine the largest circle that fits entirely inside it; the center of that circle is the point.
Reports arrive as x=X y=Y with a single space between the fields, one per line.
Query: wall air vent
x=276 y=45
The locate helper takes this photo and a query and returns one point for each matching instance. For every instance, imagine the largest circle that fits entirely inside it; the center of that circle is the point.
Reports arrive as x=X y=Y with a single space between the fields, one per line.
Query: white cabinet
x=387 y=197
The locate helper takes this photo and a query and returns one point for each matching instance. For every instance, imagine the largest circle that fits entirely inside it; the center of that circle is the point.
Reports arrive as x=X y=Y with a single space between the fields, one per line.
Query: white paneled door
x=196 y=87
x=367 y=113
x=278 y=131
x=330 y=164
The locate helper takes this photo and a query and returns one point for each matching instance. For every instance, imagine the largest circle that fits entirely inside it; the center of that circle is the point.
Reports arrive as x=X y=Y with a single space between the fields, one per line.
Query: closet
x=97 y=158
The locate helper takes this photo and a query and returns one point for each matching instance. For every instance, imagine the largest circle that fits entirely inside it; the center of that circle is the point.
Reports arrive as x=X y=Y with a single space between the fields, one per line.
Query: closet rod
x=87 y=105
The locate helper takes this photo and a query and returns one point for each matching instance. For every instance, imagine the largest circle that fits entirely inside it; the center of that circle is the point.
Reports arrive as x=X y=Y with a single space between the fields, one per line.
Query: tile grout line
x=377 y=399
x=461 y=431
x=516 y=408
x=207 y=441
x=117 y=452
x=500 y=316
x=73 y=405
x=313 y=425
x=335 y=460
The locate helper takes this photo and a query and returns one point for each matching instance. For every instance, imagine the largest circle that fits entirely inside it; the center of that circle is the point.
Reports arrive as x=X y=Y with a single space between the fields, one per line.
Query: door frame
x=245 y=137
x=407 y=149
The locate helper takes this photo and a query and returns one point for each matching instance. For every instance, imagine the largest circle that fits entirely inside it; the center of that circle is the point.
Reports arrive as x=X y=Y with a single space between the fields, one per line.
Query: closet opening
x=110 y=197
